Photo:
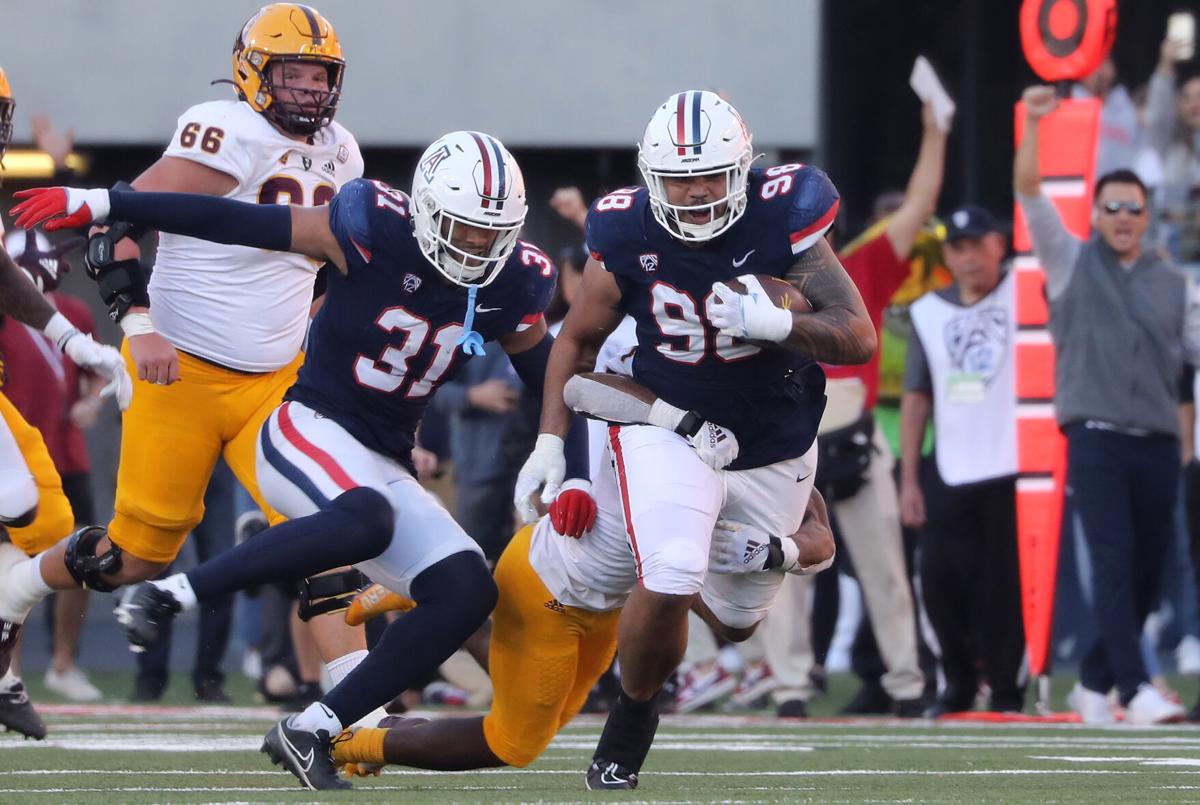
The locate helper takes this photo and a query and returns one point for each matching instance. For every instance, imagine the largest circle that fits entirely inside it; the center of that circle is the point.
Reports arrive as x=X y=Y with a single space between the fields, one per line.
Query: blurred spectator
x=213 y=535
x=60 y=401
x=1122 y=318
x=1172 y=127
x=481 y=401
x=855 y=470
x=959 y=368
x=568 y=202
x=1120 y=130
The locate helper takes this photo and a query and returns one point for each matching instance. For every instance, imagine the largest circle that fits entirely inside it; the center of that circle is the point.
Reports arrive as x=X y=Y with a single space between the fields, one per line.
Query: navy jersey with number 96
x=387 y=335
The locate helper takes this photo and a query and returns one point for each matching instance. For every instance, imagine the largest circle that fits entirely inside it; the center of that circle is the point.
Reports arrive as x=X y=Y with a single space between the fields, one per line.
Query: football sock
x=316 y=717
x=454 y=598
x=22 y=586
x=628 y=732
x=356 y=527
x=362 y=746
x=179 y=588
x=340 y=668
x=9 y=681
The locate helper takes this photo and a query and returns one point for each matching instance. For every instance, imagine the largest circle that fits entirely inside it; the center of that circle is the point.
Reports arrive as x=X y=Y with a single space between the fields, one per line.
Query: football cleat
x=307 y=755
x=605 y=776
x=144 y=610
x=374 y=601
x=17 y=713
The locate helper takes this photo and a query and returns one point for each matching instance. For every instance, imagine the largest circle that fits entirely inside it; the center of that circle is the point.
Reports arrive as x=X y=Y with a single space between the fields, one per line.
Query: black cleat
x=144 y=610
x=17 y=713
x=605 y=776
x=305 y=754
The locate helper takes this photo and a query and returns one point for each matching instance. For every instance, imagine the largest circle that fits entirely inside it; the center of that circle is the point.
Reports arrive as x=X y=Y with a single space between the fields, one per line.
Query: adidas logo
x=554 y=606
x=753 y=549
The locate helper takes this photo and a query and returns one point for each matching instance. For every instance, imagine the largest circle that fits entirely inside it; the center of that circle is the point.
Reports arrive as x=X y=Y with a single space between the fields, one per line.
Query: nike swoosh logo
x=609 y=779
x=307 y=757
x=482 y=309
x=802 y=478
x=742 y=262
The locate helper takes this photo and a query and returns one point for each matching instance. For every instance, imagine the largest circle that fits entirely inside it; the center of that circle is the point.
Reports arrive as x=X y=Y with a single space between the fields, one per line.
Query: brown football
x=782 y=292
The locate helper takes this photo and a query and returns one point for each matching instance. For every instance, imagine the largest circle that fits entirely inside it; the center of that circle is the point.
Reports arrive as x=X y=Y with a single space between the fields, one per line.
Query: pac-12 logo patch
x=649 y=261
x=411 y=283
x=429 y=165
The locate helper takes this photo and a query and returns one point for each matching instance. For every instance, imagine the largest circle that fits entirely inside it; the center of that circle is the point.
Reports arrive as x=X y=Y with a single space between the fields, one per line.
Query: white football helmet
x=467 y=177
x=696 y=133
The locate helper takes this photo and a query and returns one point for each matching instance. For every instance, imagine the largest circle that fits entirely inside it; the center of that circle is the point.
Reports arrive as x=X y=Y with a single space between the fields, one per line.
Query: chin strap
x=471 y=341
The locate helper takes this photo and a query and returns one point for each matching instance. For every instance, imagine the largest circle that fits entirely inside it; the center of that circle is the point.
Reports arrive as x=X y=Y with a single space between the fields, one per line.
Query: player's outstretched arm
x=593 y=316
x=742 y=548
x=19 y=297
x=302 y=230
x=620 y=399
x=838 y=330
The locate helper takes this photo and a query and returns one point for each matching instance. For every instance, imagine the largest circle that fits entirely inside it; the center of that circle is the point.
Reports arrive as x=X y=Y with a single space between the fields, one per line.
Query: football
x=781 y=292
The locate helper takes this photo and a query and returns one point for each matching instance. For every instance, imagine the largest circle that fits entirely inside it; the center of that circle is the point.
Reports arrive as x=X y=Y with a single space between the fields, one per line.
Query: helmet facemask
x=435 y=228
x=310 y=110
x=668 y=215
x=7 y=105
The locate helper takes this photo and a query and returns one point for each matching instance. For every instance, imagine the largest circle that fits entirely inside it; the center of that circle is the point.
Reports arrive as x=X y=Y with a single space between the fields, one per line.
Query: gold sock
x=364 y=745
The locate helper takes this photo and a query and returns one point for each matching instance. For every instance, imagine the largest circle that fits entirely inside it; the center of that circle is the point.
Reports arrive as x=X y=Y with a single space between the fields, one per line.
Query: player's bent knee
x=516 y=746
x=372 y=521
x=462 y=579
x=88 y=567
x=734 y=634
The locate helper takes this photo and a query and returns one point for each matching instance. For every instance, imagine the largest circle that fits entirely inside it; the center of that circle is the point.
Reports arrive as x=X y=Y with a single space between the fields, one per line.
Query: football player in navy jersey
x=421 y=284
x=662 y=254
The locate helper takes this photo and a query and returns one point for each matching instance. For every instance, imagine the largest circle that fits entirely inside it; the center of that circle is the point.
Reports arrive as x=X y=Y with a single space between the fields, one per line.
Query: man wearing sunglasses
x=1123 y=319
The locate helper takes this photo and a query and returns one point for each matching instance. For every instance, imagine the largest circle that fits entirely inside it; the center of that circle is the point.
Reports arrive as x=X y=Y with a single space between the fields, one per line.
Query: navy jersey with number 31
x=770 y=397
x=387 y=335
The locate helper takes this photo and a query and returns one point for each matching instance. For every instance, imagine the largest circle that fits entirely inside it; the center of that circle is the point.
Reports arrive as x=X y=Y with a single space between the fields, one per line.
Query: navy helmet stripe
x=500 y=193
x=312 y=23
x=696 y=122
x=290 y=471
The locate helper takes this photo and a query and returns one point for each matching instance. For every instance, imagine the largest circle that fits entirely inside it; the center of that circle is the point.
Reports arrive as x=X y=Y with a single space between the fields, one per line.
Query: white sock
x=9 y=680
x=22 y=585
x=340 y=668
x=180 y=588
x=316 y=717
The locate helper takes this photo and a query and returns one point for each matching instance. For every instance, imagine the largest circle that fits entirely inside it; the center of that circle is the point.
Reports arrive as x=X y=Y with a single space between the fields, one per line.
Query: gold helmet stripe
x=312 y=24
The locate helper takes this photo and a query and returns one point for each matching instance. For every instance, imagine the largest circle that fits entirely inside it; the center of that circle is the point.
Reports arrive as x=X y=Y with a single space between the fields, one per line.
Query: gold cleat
x=376 y=600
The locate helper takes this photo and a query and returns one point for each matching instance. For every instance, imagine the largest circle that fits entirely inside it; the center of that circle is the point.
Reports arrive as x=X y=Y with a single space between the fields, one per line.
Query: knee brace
x=333 y=592
x=85 y=566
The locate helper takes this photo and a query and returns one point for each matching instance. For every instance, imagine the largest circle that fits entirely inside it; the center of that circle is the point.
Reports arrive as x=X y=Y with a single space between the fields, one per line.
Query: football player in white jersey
x=215 y=339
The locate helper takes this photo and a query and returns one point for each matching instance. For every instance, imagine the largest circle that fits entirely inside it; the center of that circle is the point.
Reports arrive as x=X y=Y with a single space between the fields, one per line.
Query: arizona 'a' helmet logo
x=429 y=165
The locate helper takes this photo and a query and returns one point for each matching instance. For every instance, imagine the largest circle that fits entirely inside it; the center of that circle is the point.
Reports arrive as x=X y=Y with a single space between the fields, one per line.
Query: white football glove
x=742 y=548
x=749 y=315
x=545 y=468
x=715 y=445
x=87 y=354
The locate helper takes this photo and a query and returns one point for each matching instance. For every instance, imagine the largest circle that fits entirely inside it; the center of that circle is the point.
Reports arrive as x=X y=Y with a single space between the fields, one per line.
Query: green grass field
x=179 y=754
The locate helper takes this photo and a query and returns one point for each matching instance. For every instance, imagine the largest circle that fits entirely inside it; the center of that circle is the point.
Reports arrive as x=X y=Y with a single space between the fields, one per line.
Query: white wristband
x=664 y=415
x=137 y=324
x=59 y=330
x=791 y=554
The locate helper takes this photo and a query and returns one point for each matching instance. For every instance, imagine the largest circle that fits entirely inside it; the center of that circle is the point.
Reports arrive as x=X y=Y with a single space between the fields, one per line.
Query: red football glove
x=573 y=512
x=60 y=207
